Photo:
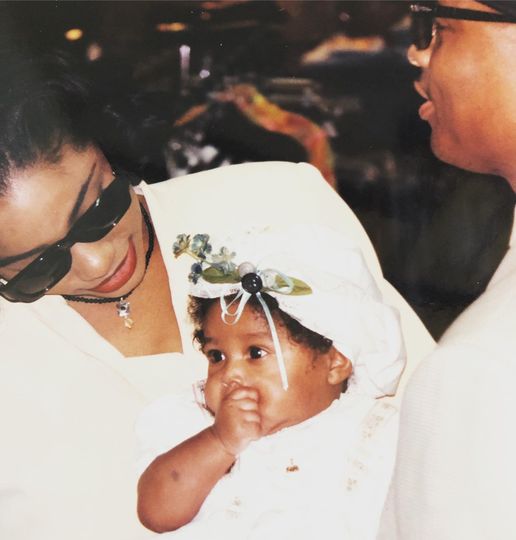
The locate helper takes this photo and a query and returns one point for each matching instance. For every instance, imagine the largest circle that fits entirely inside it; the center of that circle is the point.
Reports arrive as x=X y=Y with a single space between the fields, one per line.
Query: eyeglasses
x=423 y=20
x=55 y=262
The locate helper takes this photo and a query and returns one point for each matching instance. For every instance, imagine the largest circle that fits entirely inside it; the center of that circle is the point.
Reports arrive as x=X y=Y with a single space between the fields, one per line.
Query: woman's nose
x=93 y=261
x=419 y=57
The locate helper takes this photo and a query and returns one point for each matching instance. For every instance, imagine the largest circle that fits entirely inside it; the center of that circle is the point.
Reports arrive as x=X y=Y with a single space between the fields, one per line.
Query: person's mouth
x=121 y=275
x=426 y=109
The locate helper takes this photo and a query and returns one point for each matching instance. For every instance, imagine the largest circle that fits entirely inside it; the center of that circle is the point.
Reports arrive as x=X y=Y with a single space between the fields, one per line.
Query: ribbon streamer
x=275 y=340
x=232 y=317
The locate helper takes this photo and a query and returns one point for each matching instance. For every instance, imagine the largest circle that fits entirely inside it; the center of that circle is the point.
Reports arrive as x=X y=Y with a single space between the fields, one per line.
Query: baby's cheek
x=212 y=396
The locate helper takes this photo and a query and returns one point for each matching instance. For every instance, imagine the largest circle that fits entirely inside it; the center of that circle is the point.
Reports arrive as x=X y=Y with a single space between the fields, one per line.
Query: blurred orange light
x=73 y=34
x=171 y=27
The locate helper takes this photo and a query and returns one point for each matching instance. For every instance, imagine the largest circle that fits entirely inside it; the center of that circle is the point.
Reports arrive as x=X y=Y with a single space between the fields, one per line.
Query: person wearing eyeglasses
x=93 y=303
x=455 y=476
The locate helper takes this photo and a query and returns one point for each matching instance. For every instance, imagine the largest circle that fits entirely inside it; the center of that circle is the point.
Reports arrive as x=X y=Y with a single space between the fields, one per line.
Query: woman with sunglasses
x=93 y=318
x=455 y=476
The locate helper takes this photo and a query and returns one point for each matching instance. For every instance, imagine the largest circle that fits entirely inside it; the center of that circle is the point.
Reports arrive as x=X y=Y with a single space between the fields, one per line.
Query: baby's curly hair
x=198 y=309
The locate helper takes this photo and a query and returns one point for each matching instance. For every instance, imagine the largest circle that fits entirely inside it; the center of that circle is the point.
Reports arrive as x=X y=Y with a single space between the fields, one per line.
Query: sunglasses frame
x=423 y=14
x=10 y=290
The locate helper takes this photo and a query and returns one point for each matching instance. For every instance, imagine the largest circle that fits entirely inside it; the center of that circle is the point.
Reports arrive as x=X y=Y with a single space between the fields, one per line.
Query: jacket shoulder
x=260 y=177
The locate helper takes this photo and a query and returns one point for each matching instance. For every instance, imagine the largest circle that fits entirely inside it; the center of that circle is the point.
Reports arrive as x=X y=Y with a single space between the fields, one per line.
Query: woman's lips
x=121 y=275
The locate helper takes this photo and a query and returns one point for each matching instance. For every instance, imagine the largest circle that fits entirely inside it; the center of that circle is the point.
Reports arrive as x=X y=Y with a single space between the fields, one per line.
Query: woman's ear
x=339 y=368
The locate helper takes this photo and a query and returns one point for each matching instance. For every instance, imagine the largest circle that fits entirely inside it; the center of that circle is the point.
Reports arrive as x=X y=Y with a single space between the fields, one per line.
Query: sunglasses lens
x=421 y=29
x=104 y=214
x=42 y=274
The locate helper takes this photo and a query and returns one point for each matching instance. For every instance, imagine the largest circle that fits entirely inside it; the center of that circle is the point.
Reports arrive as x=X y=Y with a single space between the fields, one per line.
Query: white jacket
x=455 y=477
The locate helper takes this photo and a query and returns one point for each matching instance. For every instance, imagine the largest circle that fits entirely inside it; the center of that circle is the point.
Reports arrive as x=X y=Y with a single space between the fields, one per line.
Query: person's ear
x=339 y=368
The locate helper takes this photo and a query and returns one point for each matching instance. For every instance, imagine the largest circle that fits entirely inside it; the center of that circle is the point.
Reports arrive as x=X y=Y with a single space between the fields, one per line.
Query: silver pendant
x=123 y=308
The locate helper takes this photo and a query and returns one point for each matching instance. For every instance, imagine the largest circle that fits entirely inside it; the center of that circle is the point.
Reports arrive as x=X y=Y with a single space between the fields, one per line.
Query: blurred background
x=200 y=84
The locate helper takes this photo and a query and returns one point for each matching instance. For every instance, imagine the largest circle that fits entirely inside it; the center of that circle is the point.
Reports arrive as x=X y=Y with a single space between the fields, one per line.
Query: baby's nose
x=231 y=384
x=234 y=374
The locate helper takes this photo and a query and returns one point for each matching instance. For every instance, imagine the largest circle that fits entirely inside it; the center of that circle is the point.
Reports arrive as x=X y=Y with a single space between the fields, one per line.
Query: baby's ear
x=339 y=368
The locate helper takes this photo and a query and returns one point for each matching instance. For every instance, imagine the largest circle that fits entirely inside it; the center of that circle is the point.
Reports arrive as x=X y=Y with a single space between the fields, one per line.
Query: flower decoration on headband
x=219 y=268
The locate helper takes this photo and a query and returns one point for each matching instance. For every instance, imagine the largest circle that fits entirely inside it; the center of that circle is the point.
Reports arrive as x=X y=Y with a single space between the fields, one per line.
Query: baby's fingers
x=250 y=427
x=251 y=417
x=246 y=404
x=242 y=392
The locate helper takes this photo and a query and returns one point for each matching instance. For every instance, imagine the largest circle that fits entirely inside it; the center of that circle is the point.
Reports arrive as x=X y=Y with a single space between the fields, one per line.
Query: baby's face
x=243 y=355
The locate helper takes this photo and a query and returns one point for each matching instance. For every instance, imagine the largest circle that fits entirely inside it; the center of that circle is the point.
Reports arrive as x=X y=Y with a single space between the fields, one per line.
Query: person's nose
x=419 y=57
x=93 y=261
x=234 y=373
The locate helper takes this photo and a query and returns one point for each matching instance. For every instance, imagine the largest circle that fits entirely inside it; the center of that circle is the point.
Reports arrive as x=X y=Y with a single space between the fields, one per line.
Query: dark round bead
x=196 y=268
x=252 y=283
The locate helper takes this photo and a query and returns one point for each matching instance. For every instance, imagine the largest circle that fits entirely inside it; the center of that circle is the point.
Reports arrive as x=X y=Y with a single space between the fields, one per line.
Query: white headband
x=333 y=293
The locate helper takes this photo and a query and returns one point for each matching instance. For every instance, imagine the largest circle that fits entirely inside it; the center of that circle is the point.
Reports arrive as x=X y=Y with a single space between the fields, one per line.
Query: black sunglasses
x=55 y=262
x=424 y=15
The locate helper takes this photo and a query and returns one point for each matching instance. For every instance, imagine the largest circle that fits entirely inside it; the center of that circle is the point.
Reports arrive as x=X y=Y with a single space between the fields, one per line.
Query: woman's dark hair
x=199 y=307
x=43 y=105
x=50 y=99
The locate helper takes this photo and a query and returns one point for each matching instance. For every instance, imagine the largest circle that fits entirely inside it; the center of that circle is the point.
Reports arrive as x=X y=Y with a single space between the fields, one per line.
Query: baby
x=290 y=440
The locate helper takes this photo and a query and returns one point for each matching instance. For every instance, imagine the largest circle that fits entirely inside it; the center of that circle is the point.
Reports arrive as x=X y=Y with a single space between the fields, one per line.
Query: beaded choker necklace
x=123 y=307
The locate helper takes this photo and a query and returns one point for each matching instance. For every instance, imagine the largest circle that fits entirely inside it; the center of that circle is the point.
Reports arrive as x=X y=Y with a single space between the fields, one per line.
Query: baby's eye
x=255 y=353
x=215 y=356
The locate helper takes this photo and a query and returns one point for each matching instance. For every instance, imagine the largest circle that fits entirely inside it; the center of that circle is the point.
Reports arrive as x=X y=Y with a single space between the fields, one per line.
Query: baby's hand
x=238 y=420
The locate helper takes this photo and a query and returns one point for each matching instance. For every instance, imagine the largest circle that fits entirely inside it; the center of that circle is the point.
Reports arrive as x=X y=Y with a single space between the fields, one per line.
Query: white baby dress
x=326 y=477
